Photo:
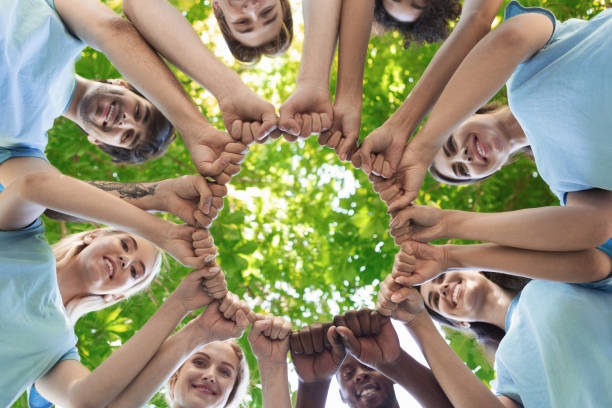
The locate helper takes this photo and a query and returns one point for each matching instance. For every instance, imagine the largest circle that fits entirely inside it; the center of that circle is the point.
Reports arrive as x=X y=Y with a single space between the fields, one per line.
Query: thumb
x=337 y=347
x=213 y=168
x=202 y=188
x=287 y=122
x=241 y=321
x=401 y=201
x=365 y=152
x=258 y=327
x=349 y=340
x=268 y=124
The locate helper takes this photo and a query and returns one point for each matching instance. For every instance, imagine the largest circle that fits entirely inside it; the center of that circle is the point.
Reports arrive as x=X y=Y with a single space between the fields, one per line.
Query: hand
x=231 y=304
x=314 y=357
x=371 y=348
x=419 y=223
x=183 y=196
x=248 y=117
x=178 y=241
x=216 y=154
x=400 y=302
x=269 y=339
x=215 y=327
x=189 y=292
x=306 y=111
x=407 y=181
x=429 y=261
x=380 y=152
x=344 y=132
x=214 y=284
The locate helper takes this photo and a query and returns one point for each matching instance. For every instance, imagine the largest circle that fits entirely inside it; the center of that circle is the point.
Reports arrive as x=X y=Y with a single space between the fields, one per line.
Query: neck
x=496 y=306
x=81 y=87
x=510 y=127
x=69 y=281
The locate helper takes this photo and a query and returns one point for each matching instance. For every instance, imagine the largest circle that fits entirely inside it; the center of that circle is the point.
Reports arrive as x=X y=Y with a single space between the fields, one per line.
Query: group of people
x=538 y=293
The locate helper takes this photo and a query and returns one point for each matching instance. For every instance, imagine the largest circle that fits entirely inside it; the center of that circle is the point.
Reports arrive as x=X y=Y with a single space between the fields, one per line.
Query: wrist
x=174 y=308
x=317 y=384
x=452 y=220
x=390 y=368
x=192 y=130
x=421 y=323
x=271 y=366
x=228 y=87
x=313 y=81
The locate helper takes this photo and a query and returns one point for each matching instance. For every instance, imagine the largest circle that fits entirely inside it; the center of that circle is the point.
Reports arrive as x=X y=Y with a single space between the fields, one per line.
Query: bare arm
x=169 y=32
x=70 y=384
x=312 y=394
x=355 y=27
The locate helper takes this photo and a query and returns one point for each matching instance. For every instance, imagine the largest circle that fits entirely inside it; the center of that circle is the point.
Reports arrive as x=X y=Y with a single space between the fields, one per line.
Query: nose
x=362 y=377
x=125 y=261
x=443 y=289
x=466 y=154
x=250 y=8
x=208 y=376
x=126 y=119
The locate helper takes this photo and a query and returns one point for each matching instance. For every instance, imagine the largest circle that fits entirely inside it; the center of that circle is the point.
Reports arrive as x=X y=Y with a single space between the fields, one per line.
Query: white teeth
x=455 y=294
x=480 y=152
x=367 y=392
x=110 y=266
x=110 y=112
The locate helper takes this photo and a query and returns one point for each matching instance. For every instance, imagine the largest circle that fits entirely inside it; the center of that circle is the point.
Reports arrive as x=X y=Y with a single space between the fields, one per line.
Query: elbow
x=129 y=9
x=478 y=22
x=598 y=263
x=32 y=184
x=108 y=29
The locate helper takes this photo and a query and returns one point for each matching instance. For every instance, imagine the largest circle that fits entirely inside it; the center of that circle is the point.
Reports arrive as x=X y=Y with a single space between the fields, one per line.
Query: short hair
x=486 y=334
x=153 y=145
x=82 y=305
x=241 y=383
x=273 y=48
x=432 y=26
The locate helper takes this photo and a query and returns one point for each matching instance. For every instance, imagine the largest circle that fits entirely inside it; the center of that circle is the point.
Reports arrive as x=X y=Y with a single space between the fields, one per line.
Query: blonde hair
x=83 y=305
x=239 y=389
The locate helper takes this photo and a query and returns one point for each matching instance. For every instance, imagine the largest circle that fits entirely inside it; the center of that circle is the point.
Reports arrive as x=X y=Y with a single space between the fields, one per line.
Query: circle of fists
x=319 y=349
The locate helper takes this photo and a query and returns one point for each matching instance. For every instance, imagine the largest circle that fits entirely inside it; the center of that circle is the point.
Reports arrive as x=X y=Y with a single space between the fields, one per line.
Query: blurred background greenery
x=302 y=234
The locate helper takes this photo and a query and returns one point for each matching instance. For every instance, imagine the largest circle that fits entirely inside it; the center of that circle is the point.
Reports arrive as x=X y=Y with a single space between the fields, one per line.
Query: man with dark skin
x=366 y=373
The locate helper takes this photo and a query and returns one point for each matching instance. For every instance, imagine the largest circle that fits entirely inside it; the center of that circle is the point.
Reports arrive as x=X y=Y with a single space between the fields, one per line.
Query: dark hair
x=431 y=26
x=159 y=136
x=487 y=334
x=252 y=55
x=435 y=173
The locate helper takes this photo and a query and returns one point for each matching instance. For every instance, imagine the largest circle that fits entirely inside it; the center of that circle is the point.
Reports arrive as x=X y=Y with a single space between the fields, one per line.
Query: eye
x=124 y=245
x=452 y=147
x=267 y=11
x=134 y=273
x=137 y=112
x=242 y=21
x=435 y=300
x=198 y=363
x=347 y=374
x=127 y=136
x=462 y=168
x=225 y=372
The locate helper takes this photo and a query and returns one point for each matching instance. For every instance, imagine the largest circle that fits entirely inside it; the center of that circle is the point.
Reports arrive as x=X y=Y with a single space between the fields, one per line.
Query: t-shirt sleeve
x=21 y=151
x=35 y=400
x=504 y=385
x=606 y=283
x=514 y=8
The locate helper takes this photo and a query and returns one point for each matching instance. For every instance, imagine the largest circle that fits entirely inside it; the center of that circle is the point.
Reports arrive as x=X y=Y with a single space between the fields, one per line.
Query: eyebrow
x=147 y=114
x=133 y=143
x=133 y=242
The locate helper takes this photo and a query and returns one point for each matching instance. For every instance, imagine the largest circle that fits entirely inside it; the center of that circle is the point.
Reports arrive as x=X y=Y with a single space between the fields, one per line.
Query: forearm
x=417 y=380
x=481 y=74
x=275 y=385
x=109 y=379
x=312 y=395
x=98 y=26
x=470 y=29
x=355 y=28
x=460 y=385
x=169 y=32
x=576 y=266
x=542 y=229
x=168 y=359
x=56 y=191
x=321 y=19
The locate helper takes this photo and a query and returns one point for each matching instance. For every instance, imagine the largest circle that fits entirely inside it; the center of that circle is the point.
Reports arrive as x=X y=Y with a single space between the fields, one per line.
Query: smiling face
x=458 y=295
x=364 y=387
x=251 y=22
x=477 y=149
x=207 y=378
x=112 y=114
x=405 y=11
x=111 y=263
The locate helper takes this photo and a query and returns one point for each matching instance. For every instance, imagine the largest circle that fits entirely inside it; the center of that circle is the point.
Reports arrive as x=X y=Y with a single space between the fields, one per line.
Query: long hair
x=273 y=48
x=486 y=334
x=239 y=389
x=443 y=178
x=83 y=305
x=432 y=26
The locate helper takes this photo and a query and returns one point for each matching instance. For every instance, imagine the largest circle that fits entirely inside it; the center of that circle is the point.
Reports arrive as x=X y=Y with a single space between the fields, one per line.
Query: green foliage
x=301 y=232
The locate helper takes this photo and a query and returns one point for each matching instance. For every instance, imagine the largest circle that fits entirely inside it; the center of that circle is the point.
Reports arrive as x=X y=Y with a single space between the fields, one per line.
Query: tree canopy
x=302 y=234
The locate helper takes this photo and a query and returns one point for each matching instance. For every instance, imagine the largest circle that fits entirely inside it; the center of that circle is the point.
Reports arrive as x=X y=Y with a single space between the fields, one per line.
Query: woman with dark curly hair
x=423 y=21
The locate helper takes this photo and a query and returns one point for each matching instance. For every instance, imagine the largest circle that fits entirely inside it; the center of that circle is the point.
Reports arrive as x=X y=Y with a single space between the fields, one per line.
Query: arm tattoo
x=126 y=190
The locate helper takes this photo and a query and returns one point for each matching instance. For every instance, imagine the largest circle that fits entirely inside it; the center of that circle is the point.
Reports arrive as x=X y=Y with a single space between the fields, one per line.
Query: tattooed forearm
x=127 y=190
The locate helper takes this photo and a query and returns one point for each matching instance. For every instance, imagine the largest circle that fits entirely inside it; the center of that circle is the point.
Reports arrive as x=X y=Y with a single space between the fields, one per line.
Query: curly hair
x=486 y=334
x=273 y=48
x=159 y=136
x=431 y=26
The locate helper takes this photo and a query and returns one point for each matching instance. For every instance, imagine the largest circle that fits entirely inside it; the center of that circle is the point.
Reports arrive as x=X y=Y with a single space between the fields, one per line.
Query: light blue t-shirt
x=557 y=351
x=562 y=98
x=37 y=80
x=35 y=332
